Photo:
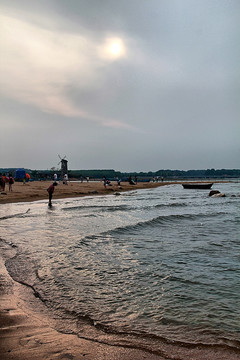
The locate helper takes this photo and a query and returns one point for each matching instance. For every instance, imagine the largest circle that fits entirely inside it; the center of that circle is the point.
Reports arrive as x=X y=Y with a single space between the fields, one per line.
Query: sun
x=113 y=48
x=116 y=48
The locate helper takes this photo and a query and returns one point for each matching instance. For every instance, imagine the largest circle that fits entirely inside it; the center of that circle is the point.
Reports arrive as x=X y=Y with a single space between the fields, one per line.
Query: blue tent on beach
x=20 y=174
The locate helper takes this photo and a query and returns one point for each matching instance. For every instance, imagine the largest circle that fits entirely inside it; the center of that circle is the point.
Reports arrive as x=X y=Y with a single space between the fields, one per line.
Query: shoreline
x=37 y=190
x=29 y=335
x=27 y=332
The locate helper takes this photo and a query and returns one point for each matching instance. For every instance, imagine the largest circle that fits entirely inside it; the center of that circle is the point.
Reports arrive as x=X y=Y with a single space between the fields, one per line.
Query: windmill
x=64 y=165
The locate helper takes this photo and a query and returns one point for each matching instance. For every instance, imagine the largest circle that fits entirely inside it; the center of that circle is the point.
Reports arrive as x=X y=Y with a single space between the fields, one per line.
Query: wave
x=122 y=208
x=163 y=206
x=162 y=220
x=184 y=280
x=14 y=215
x=182 y=204
x=99 y=207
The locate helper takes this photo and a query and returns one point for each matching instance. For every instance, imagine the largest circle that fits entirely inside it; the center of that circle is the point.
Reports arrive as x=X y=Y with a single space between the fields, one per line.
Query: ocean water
x=156 y=268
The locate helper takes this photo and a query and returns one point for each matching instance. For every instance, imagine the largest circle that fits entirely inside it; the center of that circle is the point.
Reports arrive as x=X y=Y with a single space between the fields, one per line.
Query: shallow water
x=163 y=263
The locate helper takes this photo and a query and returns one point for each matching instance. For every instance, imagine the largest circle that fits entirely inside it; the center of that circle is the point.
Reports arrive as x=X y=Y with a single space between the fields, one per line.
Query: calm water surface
x=163 y=263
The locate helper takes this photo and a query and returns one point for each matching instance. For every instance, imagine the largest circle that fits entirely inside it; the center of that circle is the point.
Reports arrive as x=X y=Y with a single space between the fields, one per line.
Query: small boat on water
x=197 y=185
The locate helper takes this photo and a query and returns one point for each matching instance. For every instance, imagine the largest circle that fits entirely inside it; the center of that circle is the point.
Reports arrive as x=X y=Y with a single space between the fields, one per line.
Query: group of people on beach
x=107 y=182
x=6 y=179
x=65 y=179
x=131 y=181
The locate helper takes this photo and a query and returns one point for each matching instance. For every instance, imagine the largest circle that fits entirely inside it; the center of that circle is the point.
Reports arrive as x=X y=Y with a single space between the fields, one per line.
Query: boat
x=197 y=185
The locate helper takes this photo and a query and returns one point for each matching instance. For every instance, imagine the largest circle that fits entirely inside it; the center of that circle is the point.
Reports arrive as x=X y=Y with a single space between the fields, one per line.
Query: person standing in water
x=50 y=191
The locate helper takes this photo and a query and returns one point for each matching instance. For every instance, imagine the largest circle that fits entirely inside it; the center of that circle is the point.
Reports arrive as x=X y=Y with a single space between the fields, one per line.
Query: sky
x=130 y=85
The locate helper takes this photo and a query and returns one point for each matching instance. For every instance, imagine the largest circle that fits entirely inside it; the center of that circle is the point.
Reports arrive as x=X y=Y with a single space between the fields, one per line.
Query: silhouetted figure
x=10 y=182
x=118 y=182
x=65 y=179
x=50 y=191
x=130 y=180
x=106 y=182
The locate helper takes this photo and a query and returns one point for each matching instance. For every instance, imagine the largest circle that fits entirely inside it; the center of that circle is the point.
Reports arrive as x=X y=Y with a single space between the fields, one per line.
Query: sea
x=156 y=269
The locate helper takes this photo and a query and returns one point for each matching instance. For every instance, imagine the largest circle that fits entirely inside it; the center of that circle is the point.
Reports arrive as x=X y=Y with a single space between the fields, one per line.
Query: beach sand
x=27 y=334
x=37 y=190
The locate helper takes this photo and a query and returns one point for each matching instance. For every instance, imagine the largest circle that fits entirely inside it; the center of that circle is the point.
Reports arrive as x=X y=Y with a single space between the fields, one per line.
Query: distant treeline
x=166 y=174
x=144 y=176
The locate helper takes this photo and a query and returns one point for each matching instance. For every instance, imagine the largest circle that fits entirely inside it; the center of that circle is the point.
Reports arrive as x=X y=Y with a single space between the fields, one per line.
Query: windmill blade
x=64 y=157
x=59 y=157
x=59 y=163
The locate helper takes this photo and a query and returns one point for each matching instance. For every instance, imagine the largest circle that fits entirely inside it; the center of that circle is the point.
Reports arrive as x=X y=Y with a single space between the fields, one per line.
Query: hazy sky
x=132 y=85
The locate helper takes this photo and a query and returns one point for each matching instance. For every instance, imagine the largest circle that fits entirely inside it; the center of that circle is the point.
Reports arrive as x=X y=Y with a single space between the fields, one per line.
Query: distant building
x=64 y=167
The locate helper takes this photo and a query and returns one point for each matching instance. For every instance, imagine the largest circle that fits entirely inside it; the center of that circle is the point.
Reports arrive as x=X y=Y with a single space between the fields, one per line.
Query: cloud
x=39 y=66
x=164 y=73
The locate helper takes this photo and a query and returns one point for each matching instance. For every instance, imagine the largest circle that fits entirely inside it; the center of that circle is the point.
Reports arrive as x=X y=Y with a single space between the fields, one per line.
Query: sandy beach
x=37 y=190
x=27 y=334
